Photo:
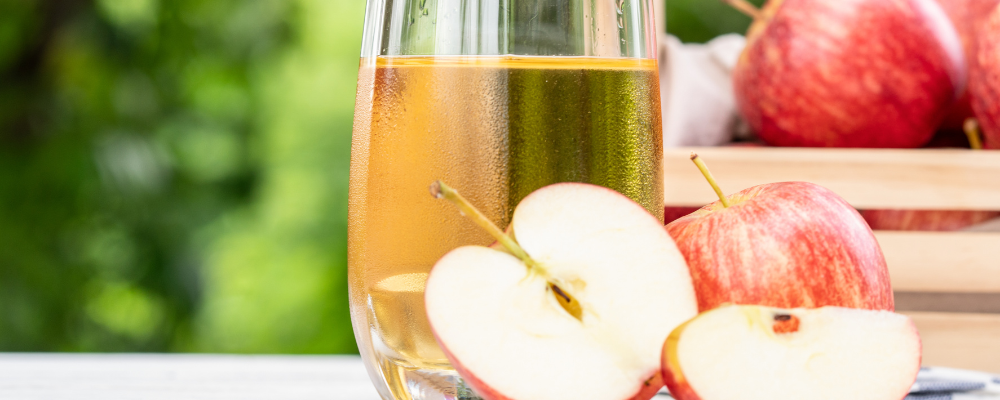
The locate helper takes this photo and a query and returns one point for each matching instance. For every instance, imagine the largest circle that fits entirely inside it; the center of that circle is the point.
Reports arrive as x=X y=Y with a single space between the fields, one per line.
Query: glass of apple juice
x=497 y=98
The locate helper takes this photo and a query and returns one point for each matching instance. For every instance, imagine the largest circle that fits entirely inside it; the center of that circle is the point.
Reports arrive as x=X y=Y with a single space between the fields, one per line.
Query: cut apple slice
x=582 y=315
x=756 y=352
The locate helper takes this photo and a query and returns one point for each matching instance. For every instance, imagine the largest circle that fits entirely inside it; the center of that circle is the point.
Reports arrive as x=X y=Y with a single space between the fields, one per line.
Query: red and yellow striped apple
x=788 y=244
x=849 y=73
x=925 y=220
x=984 y=81
x=964 y=16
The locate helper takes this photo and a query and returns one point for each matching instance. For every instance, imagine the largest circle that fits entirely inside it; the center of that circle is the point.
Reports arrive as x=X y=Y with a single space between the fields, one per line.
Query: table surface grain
x=182 y=377
x=73 y=376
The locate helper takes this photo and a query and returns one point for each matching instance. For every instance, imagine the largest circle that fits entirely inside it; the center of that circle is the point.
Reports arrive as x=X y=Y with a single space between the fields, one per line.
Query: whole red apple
x=789 y=244
x=984 y=81
x=849 y=73
x=925 y=220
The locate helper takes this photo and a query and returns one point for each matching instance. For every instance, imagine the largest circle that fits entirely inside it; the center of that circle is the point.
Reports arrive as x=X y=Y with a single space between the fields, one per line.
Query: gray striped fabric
x=930 y=396
x=936 y=383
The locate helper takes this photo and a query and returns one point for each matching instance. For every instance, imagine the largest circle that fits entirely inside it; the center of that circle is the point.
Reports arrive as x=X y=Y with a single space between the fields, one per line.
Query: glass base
x=409 y=383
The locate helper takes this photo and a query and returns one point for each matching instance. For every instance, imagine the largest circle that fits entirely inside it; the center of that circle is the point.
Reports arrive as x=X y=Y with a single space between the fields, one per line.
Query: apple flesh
x=789 y=244
x=586 y=317
x=753 y=352
x=984 y=82
x=849 y=73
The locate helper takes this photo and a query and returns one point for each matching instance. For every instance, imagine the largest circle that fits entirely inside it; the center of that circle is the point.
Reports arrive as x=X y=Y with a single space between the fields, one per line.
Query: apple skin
x=671 y=213
x=849 y=73
x=925 y=220
x=786 y=245
x=470 y=379
x=960 y=111
x=984 y=80
x=647 y=392
x=679 y=388
x=673 y=379
x=964 y=15
x=950 y=138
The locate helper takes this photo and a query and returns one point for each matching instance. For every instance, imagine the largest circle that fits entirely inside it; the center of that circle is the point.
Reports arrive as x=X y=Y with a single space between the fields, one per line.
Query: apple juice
x=495 y=128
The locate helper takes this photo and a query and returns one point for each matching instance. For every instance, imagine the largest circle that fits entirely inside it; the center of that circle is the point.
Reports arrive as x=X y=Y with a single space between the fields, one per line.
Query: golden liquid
x=496 y=129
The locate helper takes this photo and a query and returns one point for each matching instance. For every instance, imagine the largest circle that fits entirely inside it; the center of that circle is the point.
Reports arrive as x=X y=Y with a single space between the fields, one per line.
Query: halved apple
x=757 y=352
x=576 y=308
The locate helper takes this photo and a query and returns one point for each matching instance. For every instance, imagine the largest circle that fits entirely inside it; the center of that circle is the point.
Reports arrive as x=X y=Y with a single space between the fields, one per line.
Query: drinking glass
x=497 y=98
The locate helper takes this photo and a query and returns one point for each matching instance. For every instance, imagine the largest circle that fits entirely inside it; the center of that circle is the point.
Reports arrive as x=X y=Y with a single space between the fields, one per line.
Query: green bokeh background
x=173 y=174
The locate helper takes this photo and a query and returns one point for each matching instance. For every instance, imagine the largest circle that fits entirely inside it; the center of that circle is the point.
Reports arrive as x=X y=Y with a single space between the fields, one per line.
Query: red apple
x=925 y=220
x=949 y=138
x=849 y=73
x=672 y=213
x=755 y=143
x=788 y=244
x=964 y=15
x=753 y=352
x=984 y=82
x=576 y=305
x=951 y=126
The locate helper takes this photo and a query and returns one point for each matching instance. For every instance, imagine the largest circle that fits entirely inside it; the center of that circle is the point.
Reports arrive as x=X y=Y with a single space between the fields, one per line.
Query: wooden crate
x=949 y=282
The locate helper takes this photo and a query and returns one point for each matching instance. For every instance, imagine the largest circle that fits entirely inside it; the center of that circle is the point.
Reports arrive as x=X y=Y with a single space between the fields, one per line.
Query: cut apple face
x=756 y=352
x=584 y=317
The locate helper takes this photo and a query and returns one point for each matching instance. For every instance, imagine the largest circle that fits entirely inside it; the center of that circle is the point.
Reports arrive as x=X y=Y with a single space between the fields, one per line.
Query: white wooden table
x=182 y=377
x=66 y=376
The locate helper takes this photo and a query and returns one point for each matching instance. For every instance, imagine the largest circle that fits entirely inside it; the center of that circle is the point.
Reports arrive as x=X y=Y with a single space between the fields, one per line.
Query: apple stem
x=565 y=299
x=440 y=190
x=711 y=179
x=971 y=127
x=746 y=7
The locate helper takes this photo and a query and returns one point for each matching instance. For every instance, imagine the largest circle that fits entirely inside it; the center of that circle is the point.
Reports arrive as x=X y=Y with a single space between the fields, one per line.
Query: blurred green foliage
x=697 y=21
x=173 y=174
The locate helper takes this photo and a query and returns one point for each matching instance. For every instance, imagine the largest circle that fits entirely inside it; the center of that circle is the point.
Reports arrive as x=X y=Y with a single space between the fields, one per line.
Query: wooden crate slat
x=967 y=341
x=942 y=261
x=867 y=178
x=961 y=302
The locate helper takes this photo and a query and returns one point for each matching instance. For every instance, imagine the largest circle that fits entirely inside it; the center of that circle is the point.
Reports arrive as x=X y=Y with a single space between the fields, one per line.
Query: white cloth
x=696 y=90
